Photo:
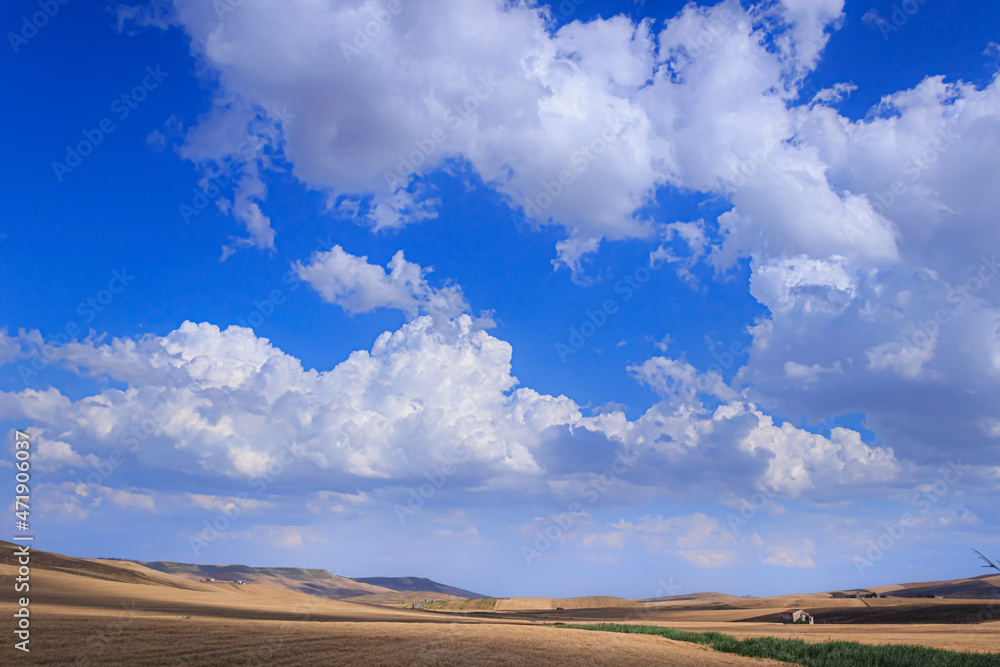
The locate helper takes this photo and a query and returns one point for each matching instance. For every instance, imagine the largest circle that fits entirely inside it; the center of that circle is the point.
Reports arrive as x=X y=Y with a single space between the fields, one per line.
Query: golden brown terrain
x=532 y=604
x=403 y=598
x=108 y=612
x=213 y=641
x=96 y=612
x=303 y=580
x=963 y=624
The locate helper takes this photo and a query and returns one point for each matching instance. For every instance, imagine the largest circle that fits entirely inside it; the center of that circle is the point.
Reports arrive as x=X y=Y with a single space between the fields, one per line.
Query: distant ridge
x=418 y=584
x=310 y=581
x=983 y=587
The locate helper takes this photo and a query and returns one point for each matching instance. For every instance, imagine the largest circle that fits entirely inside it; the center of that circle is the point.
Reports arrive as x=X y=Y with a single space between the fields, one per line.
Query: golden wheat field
x=210 y=641
x=91 y=612
x=99 y=612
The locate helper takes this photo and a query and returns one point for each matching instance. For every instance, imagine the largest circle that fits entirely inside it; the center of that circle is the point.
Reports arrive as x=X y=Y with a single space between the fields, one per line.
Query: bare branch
x=989 y=564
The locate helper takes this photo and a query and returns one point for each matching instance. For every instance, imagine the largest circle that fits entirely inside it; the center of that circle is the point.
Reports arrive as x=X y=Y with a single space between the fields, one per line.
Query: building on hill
x=418 y=606
x=798 y=616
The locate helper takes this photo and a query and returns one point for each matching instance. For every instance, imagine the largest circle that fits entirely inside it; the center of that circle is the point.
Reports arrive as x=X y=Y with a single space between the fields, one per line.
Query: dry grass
x=113 y=612
x=79 y=619
x=473 y=605
x=79 y=640
x=990 y=579
x=588 y=602
x=533 y=604
x=76 y=594
x=303 y=580
x=397 y=598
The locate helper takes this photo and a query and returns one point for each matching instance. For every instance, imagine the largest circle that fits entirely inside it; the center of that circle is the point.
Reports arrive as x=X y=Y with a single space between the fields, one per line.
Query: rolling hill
x=410 y=584
x=319 y=582
x=974 y=588
x=133 y=614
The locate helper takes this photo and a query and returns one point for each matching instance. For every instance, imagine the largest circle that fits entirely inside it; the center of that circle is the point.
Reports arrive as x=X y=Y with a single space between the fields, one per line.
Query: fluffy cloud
x=706 y=433
x=791 y=554
x=577 y=127
x=129 y=499
x=910 y=339
x=858 y=231
x=697 y=538
x=358 y=286
x=231 y=405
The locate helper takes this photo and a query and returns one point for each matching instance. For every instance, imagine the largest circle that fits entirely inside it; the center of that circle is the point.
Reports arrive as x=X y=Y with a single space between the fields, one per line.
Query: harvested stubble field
x=953 y=624
x=151 y=640
x=532 y=604
x=403 y=598
x=87 y=612
x=95 y=612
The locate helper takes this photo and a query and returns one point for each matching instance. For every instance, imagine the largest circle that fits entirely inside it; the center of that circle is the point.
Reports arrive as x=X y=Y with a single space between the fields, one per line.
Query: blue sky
x=223 y=269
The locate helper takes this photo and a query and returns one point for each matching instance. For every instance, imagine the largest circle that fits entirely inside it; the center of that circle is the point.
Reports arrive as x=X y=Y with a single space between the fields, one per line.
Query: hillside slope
x=319 y=582
x=410 y=584
x=974 y=588
x=97 y=568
